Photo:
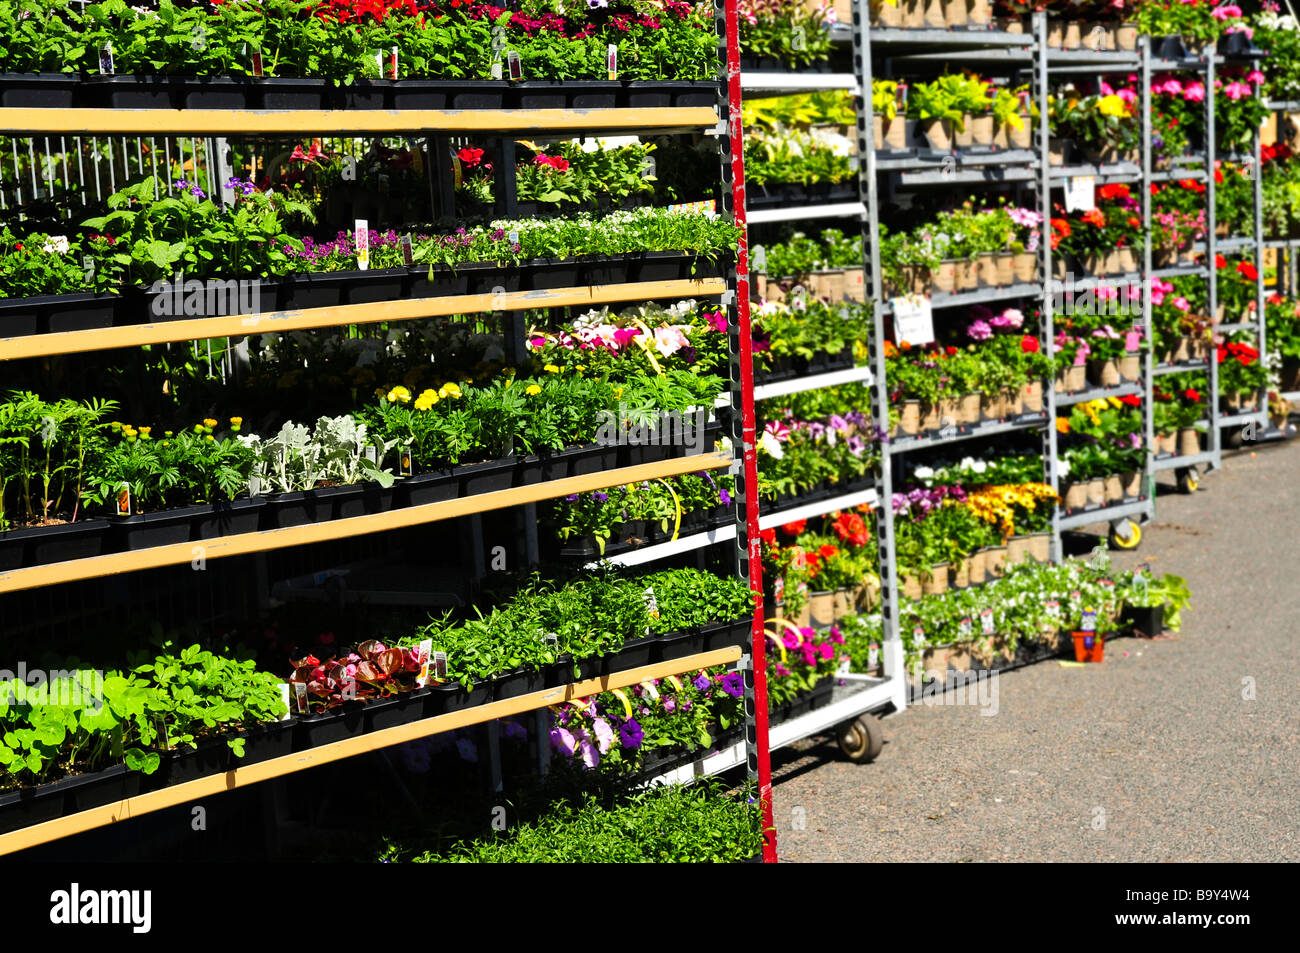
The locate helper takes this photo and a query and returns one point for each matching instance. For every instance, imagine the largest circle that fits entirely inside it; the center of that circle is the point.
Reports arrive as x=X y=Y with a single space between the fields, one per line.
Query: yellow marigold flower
x=1113 y=401
x=1062 y=425
x=399 y=395
x=209 y=422
x=209 y=438
x=532 y=390
x=198 y=428
x=236 y=421
x=146 y=430
x=426 y=400
x=1112 y=106
x=449 y=390
x=551 y=369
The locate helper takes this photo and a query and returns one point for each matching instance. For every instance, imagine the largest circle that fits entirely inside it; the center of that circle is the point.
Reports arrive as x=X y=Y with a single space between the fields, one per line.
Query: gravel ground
x=1153 y=755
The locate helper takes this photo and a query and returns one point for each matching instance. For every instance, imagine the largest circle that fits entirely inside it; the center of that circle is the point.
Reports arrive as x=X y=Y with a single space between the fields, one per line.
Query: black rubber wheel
x=1232 y=438
x=1130 y=538
x=861 y=739
x=1189 y=481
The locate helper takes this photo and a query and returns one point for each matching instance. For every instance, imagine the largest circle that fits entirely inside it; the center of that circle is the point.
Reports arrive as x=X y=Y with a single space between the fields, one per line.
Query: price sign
x=1080 y=193
x=913 y=320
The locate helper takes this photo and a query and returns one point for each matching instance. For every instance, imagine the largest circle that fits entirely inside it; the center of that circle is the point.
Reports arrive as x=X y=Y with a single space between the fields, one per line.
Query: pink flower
x=1132 y=339
x=1170 y=86
x=1182 y=304
x=1194 y=92
x=717 y=321
x=1128 y=96
x=1255 y=76
x=670 y=340
x=1236 y=90
x=1226 y=12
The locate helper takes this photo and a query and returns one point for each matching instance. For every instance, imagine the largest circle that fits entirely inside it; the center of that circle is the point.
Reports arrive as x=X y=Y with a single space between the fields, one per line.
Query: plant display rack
x=1124 y=518
x=721 y=121
x=884 y=53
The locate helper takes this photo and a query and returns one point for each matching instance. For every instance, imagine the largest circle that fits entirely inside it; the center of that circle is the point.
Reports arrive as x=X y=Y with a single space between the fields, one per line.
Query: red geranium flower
x=827 y=551
x=1248 y=270
x=1133 y=400
x=1192 y=395
x=1220 y=261
x=470 y=156
x=768 y=536
x=795 y=528
x=1029 y=344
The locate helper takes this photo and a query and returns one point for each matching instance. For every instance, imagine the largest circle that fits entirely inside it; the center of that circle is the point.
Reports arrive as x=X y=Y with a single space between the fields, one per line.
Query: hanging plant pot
x=55 y=543
x=1088 y=646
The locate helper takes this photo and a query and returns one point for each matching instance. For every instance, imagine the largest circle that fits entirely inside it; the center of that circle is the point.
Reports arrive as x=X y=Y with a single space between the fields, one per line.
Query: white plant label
x=965 y=627
x=516 y=67
x=106 y=59
x=300 y=697
x=496 y=65
x=426 y=657
x=440 y=665
x=1080 y=193
x=873 y=655
x=392 y=64
x=371 y=453
x=254 y=486
x=1088 y=623
x=913 y=320
x=611 y=62
x=408 y=254
x=1053 y=608
x=288 y=705
x=361 y=234
x=918 y=634
x=651 y=603
x=986 y=622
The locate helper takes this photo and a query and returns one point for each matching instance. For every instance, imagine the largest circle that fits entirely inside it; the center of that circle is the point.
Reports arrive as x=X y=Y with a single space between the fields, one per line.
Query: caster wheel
x=861 y=739
x=1233 y=438
x=1125 y=535
x=1189 y=481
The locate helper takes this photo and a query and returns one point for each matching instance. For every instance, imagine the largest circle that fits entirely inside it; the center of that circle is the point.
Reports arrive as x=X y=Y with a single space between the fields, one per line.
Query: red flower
x=1192 y=395
x=1134 y=221
x=1248 y=270
x=1116 y=191
x=827 y=551
x=1218 y=176
x=1192 y=185
x=1220 y=261
x=1133 y=400
x=950 y=350
x=795 y=528
x=768 y=536
x=470 y=156
x=1094 y=217
x=1029 y=344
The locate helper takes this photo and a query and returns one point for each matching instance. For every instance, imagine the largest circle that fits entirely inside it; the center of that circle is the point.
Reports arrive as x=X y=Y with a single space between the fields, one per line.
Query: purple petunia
x=701 y=682
x=631 y=734
x=734 y=684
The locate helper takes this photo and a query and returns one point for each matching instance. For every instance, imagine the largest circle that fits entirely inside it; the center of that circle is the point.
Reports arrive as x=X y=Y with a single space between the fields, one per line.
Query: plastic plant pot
x=40 y=545
x=432 y=487
x=228 y=518
x=217 y=92
x=488 y=477
x=37 y=90
x=1088 y=646
x=286 y=93
x=675 y=645
x=155 y=529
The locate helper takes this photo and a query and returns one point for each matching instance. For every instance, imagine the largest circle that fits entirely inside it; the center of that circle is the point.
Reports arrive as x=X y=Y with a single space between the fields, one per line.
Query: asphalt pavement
x=1185 y=748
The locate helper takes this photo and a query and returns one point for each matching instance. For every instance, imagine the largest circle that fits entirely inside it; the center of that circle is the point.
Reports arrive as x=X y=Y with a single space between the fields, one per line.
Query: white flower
x=56 y=243
x=771 y=446
x=923 y=473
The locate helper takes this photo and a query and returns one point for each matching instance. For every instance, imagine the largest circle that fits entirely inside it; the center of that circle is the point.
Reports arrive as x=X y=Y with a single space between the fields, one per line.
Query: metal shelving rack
x=1288 y=262
x=722 y=121
x=1025 y=51
x=1123 y=516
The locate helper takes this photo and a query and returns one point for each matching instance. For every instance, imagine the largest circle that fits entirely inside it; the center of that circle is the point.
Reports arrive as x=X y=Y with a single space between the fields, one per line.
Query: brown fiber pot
x=981 y=129
x=995 y=561
x=961 y=574
x=1104 y=373
x=1114 y=488
x=968 y=274
x=1004 y=265
x=909 y=419
x=1076 y=496
x=1025 y=267
x=987 y=266
x=1189 y=442
x=969 y=408
x=1096 y=491
x=1131 y=483
x=992 y=407
x=821 y=607
x=979 y=12
x=938 y=132
x=1040 y=546
x=1130 y=366
x=1033 y=397
x=1017 y=549
x=930 y=418
x=977 y=564
x=936 y=584
x=911 y=587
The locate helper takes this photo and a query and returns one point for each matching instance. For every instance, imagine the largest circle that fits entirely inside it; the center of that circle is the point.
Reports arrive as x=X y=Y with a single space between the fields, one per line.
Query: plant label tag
x=122 y=500
x=1076 y=595
x=900 y=97
x=440 y=666
x=913 y=320
x=1088 y=622
x=288 y=703
x=426 y=657
x=106 y=59
x=300 y=697
x=496 y=66
x=1053 y=608
x=408 y=253
x=651 y=689
x=611 y=62
x=392 y=63
x=1080 y=193
x=986 y=622
x=372 y=453
x=758 y=259
x=651 y=603
x=361 y=234
x=88 y=266
x=512 y=238
x=254 y=486
x=650 y=168
x=404 y=463
x=918 y=635
x=778 y=589
x=965 y=628
x=843 y=667
x=258 y=70
x=873 y=655
x=516 y=67
x=1140 y=587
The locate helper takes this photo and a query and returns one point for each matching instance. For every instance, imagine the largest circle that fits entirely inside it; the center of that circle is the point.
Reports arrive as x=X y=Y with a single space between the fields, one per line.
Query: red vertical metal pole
x=735 y=130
